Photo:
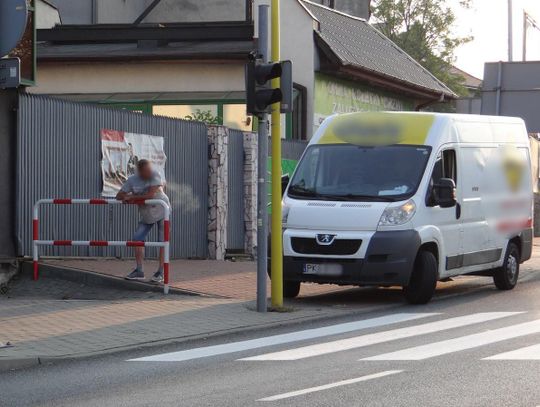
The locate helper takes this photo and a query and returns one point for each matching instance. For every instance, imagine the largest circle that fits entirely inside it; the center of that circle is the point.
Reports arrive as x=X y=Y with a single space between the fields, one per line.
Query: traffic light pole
x=277 y=245
x=262 y=185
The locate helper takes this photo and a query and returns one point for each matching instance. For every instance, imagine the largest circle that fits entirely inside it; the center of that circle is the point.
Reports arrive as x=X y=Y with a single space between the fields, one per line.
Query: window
x=445 y=167
x=230 y=113
x=183 y=111
x=299 y=115
x=235 y=117
x=355 y=173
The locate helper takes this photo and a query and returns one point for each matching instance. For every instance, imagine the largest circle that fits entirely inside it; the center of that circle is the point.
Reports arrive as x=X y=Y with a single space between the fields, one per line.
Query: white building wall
x=126 y=11
x=297 y=45
x=47 y=16
x=138 y=77
x=198 y=11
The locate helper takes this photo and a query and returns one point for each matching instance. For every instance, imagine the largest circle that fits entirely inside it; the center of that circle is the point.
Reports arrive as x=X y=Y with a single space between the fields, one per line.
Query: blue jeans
x=144 y=228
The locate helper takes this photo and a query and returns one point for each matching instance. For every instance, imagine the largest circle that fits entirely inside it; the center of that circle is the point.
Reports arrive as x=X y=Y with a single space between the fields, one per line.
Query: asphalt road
x=478 y=348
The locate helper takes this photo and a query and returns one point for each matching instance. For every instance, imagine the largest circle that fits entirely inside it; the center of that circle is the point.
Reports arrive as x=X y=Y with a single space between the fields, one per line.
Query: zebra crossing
x=322 y=341
x=381 y=337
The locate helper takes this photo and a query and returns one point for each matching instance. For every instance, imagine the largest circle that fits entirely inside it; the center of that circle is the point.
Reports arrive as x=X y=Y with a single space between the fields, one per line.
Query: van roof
x=418 y=128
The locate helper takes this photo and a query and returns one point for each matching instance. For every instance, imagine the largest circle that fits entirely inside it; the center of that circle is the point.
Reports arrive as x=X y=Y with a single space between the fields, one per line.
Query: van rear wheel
x=423 y=279
x=506 y=277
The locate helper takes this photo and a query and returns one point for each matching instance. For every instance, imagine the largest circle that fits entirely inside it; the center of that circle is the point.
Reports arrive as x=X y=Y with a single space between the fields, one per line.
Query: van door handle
x=458 y=211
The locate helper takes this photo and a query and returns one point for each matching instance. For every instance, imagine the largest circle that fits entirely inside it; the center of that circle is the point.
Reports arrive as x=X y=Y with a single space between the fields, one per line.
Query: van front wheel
x=423 y=279
x=291 y=289
x=506 y=277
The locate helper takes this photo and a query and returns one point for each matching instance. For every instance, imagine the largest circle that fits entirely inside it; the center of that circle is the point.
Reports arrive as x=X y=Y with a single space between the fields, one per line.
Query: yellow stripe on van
x=378 y=128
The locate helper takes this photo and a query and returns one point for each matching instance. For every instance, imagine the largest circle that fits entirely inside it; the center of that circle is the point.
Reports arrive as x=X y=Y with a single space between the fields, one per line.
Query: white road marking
x=233 y=347
x=527 y=353
x=380 y=337
x=330 y=386
x=462 y=343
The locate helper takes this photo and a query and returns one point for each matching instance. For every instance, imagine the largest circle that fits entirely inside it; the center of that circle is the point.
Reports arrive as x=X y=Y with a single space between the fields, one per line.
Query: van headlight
x=284 y=214
x=398 y=215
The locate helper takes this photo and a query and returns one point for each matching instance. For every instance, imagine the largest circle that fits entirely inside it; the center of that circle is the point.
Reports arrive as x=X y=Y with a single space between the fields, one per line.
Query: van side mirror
x=285 y=179
x=444 y=193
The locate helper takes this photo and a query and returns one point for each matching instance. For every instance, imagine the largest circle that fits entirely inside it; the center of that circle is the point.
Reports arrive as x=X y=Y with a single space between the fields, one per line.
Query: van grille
x=341 y=247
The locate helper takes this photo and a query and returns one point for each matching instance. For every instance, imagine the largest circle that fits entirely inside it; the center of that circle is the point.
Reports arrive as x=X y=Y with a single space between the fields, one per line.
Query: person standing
x=146 y=184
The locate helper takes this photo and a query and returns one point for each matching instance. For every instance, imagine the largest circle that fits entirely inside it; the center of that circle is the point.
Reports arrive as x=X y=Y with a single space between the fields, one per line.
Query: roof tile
x=357 y=43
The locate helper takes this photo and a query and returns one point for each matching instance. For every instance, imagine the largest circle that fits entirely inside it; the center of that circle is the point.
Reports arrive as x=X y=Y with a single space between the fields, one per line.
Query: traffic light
x=259 y=93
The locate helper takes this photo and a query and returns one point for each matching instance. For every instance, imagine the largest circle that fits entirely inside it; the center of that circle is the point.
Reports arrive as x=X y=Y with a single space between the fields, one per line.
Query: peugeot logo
x=325 y=239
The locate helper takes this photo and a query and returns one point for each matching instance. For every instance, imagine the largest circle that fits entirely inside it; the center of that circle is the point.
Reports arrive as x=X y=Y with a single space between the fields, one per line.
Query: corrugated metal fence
x=292 y=149
x=59 y=154
x=235 y=214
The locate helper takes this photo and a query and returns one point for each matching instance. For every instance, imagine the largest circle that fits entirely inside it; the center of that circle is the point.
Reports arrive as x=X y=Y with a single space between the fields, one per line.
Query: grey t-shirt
x=137 y=186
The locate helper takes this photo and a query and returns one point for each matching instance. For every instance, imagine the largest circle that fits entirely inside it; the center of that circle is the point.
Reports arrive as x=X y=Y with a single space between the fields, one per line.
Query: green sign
x=334 y=95
x=287 y=168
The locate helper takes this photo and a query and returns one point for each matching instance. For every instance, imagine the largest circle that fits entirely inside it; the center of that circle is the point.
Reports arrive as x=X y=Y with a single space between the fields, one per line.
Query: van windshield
x=358 y=173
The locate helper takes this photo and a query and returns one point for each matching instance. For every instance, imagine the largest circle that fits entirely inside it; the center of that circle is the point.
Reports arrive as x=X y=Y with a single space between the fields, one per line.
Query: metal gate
x=59 y=155
x=235 y=215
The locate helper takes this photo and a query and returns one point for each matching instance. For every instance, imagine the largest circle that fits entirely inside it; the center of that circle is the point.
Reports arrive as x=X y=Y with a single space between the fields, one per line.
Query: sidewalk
x=229 y=279
x=57 y=319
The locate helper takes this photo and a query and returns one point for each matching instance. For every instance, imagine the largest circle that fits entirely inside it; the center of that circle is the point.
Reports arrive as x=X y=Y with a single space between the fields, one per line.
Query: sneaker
x=157 y=277
x=135 y=275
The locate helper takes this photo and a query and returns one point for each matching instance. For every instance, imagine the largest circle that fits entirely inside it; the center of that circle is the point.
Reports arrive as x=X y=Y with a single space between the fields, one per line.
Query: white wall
x=138 y=77
x=197 y=11
x=126 y=11
x=119 y=11
x=47 y=16
x=74 y=11
x=297 y=45
x=358 y=8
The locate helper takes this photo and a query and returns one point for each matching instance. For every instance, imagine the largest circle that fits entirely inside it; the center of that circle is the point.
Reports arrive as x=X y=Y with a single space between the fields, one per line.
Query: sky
x=487 y=22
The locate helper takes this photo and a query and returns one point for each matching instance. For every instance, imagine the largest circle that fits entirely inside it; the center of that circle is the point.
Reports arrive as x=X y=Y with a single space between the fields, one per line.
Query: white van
x=409 y=199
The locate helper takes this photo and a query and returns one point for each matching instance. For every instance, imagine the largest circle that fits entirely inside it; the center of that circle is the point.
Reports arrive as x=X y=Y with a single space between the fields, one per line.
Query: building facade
x=191 y=64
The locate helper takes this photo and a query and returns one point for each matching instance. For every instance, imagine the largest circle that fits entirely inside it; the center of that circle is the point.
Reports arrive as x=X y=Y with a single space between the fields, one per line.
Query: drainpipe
x=499 y=86
x=510 y=32
x=525 y=26
x=94 y=11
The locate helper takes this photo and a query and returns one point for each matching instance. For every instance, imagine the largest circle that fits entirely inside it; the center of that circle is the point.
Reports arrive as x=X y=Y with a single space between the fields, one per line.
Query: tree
x=204 y=116
x=422 y=28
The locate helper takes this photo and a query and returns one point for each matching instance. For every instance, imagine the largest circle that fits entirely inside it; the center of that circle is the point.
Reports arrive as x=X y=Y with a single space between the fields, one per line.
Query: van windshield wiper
x=297 y=190
x=304 y=192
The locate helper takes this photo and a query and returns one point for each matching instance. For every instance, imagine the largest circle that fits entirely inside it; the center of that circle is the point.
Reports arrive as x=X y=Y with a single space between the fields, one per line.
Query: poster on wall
x=121 y=152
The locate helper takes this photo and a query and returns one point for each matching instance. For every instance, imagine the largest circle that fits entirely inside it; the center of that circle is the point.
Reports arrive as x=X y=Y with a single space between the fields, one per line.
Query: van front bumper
x=389 y=259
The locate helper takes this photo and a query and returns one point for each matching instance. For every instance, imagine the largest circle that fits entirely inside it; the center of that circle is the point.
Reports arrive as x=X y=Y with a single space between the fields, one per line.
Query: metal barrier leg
x=166 y=236
x=35 y=236
x=166 y=277
x=35 y=263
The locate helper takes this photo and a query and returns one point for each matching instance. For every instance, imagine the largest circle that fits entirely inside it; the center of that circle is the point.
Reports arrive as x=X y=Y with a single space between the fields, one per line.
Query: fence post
x=218 y=188
x=250 y=193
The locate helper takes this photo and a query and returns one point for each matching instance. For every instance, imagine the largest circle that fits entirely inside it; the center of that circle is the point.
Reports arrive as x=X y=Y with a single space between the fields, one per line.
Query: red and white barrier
x=101 y=243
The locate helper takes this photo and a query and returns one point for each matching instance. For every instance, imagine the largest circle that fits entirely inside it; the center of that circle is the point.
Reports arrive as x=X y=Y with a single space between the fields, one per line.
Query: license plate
x=325 y=269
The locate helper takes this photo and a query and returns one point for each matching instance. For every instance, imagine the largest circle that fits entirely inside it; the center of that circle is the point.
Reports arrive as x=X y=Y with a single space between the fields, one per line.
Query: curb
x=19 y=363
x=97 y=279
